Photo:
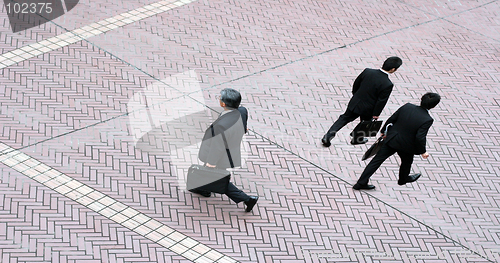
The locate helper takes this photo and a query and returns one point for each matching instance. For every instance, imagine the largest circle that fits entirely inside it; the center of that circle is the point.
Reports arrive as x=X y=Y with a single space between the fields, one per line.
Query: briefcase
x=376 y=146
x=367 y=129
x=373 y=149
x=210 y=179
x=205 y=178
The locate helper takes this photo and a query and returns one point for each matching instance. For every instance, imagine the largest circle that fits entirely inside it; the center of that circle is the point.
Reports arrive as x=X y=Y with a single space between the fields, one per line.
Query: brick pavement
x=123 y=113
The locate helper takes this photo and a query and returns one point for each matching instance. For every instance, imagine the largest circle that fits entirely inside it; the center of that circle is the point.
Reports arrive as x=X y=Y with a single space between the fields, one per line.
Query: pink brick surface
x=294 y=62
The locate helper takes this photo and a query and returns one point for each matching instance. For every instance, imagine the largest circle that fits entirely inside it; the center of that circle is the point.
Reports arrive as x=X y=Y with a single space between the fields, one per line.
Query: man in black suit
x=231 y=124
x=406 y=137
x=370 y=90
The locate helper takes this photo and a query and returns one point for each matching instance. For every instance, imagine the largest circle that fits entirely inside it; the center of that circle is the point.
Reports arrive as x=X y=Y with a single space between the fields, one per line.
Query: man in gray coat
x=231 y=124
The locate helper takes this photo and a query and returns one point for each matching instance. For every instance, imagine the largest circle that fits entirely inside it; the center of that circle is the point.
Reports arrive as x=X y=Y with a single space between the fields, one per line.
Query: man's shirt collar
x=225 y=112
x=385 y=72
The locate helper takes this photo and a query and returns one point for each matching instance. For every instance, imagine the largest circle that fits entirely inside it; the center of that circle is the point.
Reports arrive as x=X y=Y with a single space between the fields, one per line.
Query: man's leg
x=359 y=137
x=342 y=121
x=201 y=192
x=405 y=168
x=238 y=196
x=384 y=153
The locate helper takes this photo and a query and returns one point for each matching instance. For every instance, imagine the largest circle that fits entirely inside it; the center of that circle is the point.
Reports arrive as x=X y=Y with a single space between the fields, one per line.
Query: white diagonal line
x=109 y=207
x=94 y=29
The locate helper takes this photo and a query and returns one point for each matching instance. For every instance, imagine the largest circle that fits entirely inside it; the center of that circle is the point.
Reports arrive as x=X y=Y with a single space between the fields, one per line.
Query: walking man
x=406 y=137
x=370 y=90
x=231 y=126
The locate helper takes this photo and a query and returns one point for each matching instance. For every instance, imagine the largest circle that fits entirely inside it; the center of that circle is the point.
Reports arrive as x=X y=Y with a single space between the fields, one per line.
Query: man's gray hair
x=231 y=97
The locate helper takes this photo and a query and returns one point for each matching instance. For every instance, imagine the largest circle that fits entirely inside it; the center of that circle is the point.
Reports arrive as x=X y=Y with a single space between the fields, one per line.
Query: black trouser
x=236 y=194
x=385 y=152
x=232 y=192
x=343 y=120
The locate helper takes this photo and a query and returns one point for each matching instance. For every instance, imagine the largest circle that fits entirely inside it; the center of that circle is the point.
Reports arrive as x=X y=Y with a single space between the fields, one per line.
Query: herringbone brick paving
x=69 y=109
x=86 y=13
x=298 y=203
x=39 y=225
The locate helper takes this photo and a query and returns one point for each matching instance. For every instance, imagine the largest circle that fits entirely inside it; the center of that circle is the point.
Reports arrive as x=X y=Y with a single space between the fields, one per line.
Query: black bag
x=373 y=149
x=204 y=178
x=376 y=146
x=367 y=128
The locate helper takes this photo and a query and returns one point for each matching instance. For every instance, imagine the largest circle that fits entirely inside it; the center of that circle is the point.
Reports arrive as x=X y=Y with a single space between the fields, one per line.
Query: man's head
x=430 y=100
x=230 y=98
x=392 y=64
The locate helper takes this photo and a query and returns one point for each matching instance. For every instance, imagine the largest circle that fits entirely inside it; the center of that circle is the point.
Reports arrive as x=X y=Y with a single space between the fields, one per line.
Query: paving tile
x=114 y=122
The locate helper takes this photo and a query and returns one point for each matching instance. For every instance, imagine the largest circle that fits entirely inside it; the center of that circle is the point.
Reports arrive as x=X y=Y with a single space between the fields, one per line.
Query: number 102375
x=29 y=8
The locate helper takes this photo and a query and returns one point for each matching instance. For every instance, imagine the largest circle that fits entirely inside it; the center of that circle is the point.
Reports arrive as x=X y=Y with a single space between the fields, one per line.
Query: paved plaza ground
x=103 y=109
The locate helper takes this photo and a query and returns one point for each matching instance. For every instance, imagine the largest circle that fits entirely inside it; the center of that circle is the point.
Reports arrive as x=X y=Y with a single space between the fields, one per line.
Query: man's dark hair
x=392 y=62
x=231 y=97
x=430 y=100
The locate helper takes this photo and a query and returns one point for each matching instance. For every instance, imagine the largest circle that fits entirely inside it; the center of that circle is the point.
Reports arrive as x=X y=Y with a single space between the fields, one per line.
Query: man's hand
x=209 y=165
x=425 y=155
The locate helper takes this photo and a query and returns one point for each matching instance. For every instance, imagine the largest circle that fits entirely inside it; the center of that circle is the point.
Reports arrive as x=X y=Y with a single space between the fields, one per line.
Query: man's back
x=371 y=90
x=406 y=137
x=409 y=130
x=233 y=125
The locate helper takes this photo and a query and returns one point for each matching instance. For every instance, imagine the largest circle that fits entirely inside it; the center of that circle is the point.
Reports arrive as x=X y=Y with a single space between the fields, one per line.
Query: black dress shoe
x=410 y=179
x=364 y=187
x=358 y=141
x=200 y=192
x=251 y=203
x=326 y=141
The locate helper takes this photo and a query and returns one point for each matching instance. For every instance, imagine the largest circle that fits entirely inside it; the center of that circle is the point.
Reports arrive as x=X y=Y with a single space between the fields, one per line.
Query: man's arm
x=392 y=119
x=382 y=99
x=357 y=82
x=421 y=138
x=217 y=147
x=244 y=117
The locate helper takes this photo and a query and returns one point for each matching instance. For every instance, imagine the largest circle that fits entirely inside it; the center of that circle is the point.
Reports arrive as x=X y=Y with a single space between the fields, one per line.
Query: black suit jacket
x=410 y=124
x=233 y=125
x=371 y=91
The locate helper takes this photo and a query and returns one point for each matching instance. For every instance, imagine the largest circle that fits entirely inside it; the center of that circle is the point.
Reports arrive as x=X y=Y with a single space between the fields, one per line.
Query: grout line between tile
x=85 y=32
x=109 y=207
